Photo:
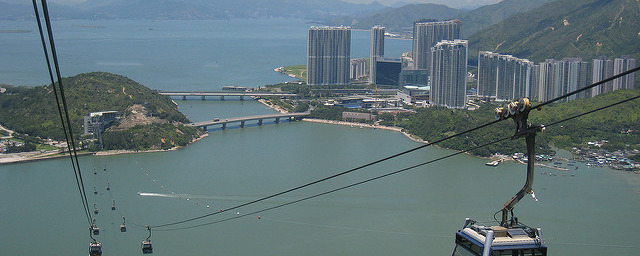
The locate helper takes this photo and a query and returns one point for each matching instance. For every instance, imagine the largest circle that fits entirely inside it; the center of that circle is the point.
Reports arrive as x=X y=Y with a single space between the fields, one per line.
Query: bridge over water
x=242 y=120
x=222 y=94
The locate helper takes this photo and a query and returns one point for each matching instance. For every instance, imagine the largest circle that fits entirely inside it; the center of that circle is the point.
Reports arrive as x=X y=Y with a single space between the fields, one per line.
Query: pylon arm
x=528 y=185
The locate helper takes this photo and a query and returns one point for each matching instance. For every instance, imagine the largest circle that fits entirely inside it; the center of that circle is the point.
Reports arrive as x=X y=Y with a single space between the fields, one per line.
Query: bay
x=415 y=212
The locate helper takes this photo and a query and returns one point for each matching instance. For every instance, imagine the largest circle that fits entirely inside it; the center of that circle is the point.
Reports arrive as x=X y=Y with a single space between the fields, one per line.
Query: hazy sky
x=450 y=3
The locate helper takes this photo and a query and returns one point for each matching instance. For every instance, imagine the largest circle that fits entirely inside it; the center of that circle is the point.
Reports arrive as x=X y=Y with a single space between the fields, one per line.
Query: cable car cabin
x=479 y=240
x=113 y=207
x=146 y=247
x=123 y=228
x=95 y=249
x=95 y=230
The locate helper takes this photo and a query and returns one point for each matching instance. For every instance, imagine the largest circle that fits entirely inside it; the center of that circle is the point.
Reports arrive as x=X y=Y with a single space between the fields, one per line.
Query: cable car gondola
x=95 y=249
x=146 y=244
x=113 y=206
x=123 y=227
x=95 y=230
x=95 y=209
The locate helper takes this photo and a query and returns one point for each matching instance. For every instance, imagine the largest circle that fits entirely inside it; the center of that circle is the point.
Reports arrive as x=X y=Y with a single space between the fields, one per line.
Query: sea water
x=588 y=211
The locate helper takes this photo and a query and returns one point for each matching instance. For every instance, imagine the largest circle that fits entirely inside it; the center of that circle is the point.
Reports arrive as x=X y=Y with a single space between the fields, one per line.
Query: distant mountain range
x=193 y=9
x=566 y=28
x=400 y=19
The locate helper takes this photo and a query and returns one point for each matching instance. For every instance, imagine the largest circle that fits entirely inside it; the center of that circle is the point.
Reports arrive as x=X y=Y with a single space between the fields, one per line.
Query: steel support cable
x=341 y=188
x=393 y=156
x=328 y=177
x=75 y=167
x=62 y=96
x=396 y=172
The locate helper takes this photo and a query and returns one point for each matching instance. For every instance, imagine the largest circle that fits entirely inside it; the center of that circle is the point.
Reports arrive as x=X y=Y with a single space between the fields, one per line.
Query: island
x=109 y=114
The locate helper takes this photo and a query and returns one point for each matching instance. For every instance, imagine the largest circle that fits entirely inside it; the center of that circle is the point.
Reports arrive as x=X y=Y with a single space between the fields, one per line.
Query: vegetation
x=33 y=111
x=566 y=28
x=613 y=125
x=327 y=112
x=398 y=19
x=485 y=16
x=299 y=71
x=27 y=146
x=152 y=136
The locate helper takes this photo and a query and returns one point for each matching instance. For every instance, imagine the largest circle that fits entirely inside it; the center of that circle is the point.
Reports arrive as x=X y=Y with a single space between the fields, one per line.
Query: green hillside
x=32 y=110
x=485 y=16
x=401 y=19
x=566 y=28
x=435 y=123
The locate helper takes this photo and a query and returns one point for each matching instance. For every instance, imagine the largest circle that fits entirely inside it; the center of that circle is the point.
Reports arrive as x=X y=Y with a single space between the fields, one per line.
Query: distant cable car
x=146 y=247
x=123 y=227
x=94 y=229
x=95 y=249
x=113 y=206
x=108 y=186
x=95 y=209
x=146 y=244
x=95 y=192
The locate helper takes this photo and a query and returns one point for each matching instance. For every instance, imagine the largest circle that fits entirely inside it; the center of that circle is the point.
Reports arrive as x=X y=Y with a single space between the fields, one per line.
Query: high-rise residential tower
x=573 y=77
x=503 y=76
x=427 y=34
x=620 y=65
x=557 y=78
x=377 y=50
x=487 y=74
x=602 y=69
x=328 y=55
x=449 y=73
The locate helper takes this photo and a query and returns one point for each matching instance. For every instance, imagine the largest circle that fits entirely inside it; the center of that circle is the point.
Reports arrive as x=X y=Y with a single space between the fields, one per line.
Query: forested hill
x=566 y=28
x=485 y=16
x=32 y=110
x=618 y=125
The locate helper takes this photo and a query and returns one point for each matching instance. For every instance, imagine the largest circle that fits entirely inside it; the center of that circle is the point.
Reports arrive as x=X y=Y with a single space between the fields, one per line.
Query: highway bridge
x=223 y=94
x=242 y=120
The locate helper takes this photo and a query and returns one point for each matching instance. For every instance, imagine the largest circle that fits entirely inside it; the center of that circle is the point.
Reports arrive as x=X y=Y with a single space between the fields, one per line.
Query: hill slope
x=398 y=19
x=32 y=110
x=434 y=123
x=566 y=28
x=485 y=16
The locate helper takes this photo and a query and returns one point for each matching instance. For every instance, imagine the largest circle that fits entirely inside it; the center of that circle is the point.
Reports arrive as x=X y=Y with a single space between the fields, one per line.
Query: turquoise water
x=412 y=213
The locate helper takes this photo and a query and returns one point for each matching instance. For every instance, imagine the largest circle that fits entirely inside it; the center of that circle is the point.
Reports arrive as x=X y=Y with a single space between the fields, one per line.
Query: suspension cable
x=343 y=187
x=67 y=130
x=396 y=172
x=392 y=156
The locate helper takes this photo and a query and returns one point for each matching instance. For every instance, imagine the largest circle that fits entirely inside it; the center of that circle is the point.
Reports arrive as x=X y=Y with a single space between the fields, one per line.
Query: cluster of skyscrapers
x=438 y=54
x=504 y=77
x=439 y=59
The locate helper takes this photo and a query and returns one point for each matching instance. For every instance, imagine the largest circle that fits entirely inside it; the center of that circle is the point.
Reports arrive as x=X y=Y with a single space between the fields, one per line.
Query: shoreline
x=25 y=157
x=389 y=128
x=396 y=129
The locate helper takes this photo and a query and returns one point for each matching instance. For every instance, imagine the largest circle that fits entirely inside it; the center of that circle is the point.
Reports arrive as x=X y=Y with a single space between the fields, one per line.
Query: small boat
x=493 y=163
